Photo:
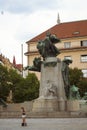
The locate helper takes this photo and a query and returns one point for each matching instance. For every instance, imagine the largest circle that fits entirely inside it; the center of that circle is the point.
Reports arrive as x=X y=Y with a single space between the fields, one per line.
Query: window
x=68 y=57
x=84 y=71
x=83 y=58
x=84 y=43
x=77 y=32
x=67 y=44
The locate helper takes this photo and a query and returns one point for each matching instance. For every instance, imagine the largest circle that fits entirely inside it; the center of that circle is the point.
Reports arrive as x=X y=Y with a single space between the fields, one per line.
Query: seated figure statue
x=74 y=92
x=47 y=46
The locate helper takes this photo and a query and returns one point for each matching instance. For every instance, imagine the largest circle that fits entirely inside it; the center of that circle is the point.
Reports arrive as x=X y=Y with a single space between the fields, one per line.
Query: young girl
x=23 y=117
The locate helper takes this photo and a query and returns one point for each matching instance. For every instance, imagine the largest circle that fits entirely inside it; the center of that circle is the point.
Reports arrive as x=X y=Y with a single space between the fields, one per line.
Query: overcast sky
x=21 y=20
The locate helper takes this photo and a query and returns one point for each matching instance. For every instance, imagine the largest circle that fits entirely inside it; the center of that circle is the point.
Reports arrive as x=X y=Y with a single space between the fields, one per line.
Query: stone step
x=62 y=114
x=49 y=114
x=10 y=114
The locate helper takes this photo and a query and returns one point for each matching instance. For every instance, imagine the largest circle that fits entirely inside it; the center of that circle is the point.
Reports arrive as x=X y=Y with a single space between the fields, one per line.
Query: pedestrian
x=23 y=117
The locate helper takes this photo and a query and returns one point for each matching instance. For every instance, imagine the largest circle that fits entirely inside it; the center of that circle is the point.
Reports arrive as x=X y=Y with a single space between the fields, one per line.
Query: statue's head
x=54 y=39
x=67 y=61
x=48 y=34
x=39 y=46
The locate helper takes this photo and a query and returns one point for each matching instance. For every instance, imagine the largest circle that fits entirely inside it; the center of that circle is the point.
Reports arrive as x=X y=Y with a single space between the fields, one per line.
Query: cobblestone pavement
x=45 y=124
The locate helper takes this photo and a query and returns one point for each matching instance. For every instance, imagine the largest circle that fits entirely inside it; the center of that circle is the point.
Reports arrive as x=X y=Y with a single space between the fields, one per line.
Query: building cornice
x=61 y=50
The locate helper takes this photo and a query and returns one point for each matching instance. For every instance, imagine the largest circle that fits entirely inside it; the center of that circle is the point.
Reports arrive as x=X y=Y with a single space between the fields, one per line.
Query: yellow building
x=73 y=45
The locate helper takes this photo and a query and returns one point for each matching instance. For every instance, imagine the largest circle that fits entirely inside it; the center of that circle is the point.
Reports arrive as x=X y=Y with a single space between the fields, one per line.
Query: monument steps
x=49 y=114
x=30 y=114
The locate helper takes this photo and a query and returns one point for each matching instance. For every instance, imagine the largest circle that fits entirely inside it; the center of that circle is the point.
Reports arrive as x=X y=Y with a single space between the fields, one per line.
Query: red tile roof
x=65 y=30
x=19 y=66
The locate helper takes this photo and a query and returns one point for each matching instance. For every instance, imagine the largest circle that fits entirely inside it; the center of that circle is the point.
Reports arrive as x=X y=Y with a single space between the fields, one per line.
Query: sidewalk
x=45 y=124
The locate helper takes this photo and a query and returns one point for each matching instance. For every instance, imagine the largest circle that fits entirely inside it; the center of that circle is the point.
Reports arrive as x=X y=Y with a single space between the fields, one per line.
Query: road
x=45 y=124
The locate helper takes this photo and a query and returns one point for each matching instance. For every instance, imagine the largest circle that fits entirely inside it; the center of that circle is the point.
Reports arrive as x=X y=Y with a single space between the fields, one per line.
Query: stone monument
x=54 y=83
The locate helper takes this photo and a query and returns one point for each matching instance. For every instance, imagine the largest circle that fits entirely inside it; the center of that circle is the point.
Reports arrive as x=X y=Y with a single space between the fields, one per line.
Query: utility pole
x=22 y=57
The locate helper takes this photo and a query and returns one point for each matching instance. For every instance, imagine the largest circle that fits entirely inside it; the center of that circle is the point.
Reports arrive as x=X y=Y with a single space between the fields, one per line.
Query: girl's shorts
x=23 y=116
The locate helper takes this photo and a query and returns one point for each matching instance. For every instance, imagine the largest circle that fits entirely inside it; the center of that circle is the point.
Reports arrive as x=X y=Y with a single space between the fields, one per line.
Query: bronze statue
x=74 y=93
x=47 y=46
x=36 y=65
x=46 y=49
x=65 y=73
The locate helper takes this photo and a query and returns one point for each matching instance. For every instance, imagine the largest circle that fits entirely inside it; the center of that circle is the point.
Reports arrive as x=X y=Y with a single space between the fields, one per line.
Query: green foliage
x=75 y=76
x=32 y=83
x=19 y=92
x=14 y=76
x=82 y=86
x=4 y=79
x=17 y=83
x=23 y=89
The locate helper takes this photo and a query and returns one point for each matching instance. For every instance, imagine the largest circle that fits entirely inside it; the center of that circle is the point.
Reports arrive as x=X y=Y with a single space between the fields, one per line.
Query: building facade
x=6 y=62
x=73 y=45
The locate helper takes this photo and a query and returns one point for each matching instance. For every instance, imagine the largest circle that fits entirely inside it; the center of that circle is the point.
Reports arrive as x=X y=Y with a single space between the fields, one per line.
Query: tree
x=17 y=83
x=4 y=79
x=24 y=89
x=19 y=92
x=82 y=86
x=75 y=76
x=32 y=84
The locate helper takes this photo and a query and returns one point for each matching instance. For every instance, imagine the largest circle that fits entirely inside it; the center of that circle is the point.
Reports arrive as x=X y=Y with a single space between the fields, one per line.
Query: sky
x=21 y=20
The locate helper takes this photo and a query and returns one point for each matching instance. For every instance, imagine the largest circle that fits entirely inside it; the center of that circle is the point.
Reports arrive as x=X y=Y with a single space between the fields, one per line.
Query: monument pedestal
x=73 y=105
x=52 y=93
x=48 y=105
x=45 y=105
x=54 y=84
x=62 y=105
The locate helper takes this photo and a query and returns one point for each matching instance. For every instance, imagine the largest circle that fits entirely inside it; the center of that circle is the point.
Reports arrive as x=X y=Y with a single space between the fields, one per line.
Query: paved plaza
x=45 y=124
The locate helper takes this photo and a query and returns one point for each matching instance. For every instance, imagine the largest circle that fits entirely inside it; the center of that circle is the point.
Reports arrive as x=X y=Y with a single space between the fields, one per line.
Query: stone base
x=73 y=105
x=45 y=105
x=48 y=105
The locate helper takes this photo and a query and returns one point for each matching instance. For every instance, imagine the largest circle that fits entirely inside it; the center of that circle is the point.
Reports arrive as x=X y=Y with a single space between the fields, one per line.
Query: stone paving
x=45 y=124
